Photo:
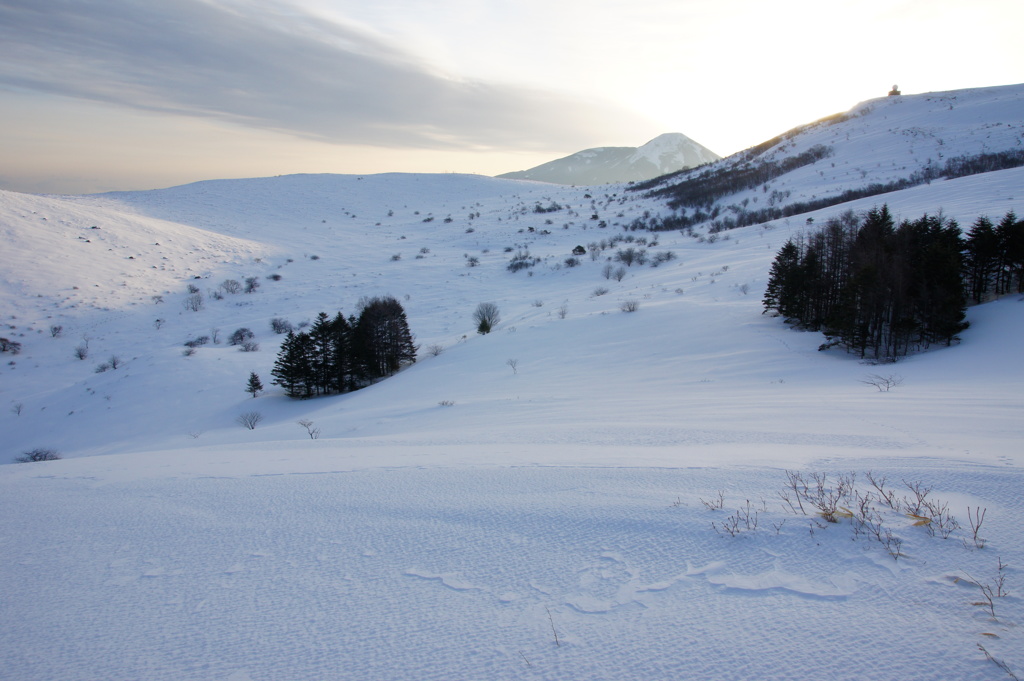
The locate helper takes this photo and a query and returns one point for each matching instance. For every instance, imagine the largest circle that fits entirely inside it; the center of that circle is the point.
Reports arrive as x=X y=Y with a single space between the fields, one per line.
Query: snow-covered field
x=467 y=518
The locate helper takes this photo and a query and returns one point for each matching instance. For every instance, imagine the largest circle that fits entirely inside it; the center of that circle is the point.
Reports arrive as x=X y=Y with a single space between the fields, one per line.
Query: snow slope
x=879 y=141
x=464 y=520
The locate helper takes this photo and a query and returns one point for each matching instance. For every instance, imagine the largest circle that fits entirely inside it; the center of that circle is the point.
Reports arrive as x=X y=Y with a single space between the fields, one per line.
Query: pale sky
x=140 y=94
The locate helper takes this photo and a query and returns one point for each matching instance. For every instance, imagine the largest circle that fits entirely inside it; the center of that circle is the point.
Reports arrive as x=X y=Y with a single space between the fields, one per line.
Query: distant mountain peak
x=664 y=154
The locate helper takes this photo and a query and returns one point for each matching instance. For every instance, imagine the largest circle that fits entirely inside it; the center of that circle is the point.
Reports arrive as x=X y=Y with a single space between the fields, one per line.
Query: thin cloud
x=274 y=67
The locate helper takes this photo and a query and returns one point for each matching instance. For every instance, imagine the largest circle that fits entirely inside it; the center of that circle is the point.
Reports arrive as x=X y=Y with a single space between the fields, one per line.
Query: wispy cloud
x=272 y=66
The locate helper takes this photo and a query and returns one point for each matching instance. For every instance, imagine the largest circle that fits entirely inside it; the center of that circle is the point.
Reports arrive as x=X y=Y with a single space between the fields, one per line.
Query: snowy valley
x=606 y=486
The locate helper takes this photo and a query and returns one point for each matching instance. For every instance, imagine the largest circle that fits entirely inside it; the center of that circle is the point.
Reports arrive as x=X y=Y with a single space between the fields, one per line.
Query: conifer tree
x=982 y=258
x=292 y=369
x=254 y=386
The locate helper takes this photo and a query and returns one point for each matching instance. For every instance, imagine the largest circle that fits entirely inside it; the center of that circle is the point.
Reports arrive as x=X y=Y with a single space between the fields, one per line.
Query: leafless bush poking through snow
x=193 y=302
x=280 y=325
x=716 y=503
x=435 y=350
x=990 y=591
x=17 y=408
x=975 y=520
x=631 y=305
x=249 y=419
x=514 y=364
x=231 y=286
x=250 y=346
x=486 y=317
x=239 y=336
x=883 y=383
x=56 y=330
x=562 y=311
x=313 y=432
x=82 y=351
x=39 y=454
x=446 y=403
x=619 y=274
x=251 y=284
x=599 y=291
x=999 y=663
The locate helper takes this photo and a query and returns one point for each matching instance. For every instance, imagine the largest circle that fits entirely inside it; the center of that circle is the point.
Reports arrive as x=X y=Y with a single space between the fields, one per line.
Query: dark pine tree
x=382 y=341
x=781 y=292
x=1010 y=235
x=255 y=385
x=293 y=368
x=981 y=258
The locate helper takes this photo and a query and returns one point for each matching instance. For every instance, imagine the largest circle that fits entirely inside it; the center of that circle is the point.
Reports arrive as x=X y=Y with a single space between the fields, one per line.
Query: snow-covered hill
x=473 y=517
x=606 y=165
x=877 y=146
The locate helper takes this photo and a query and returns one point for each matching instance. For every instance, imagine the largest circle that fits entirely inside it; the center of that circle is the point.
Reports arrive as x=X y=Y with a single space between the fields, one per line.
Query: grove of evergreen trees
x=883 y=290
x=338 y=355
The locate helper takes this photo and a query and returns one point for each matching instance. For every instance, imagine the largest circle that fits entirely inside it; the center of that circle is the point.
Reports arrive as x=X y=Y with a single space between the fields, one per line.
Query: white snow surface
x=464 y=520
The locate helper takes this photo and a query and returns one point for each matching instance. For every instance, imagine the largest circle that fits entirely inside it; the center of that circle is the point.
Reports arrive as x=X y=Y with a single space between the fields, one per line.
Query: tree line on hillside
x=883 y=290
x=338 y=355
x=701 y=190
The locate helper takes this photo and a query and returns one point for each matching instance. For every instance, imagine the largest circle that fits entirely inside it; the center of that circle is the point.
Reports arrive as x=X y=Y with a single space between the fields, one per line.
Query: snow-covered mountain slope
x=456 y=519
x=606 y=165
x=878 y=146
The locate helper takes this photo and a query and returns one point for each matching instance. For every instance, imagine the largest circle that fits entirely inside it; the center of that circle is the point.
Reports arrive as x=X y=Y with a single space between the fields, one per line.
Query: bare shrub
x=249 y=419
x=619 y=274
x=280 y=325
x=312 y=431
x=990 y=591
x=240 y=335
x=193 y=302
x=38 y=454
x=231 y=286
x=435 y=350
x=56 y=330
x=631 y=305
x=883 y=383
x=716 y=503
x=7 y=345
x=631 y=256
x=251 y=284
x=486 y=317
x=599 y=291
x=250 y=346
x=82 y=351
x=975 y=520
x=514 y=364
